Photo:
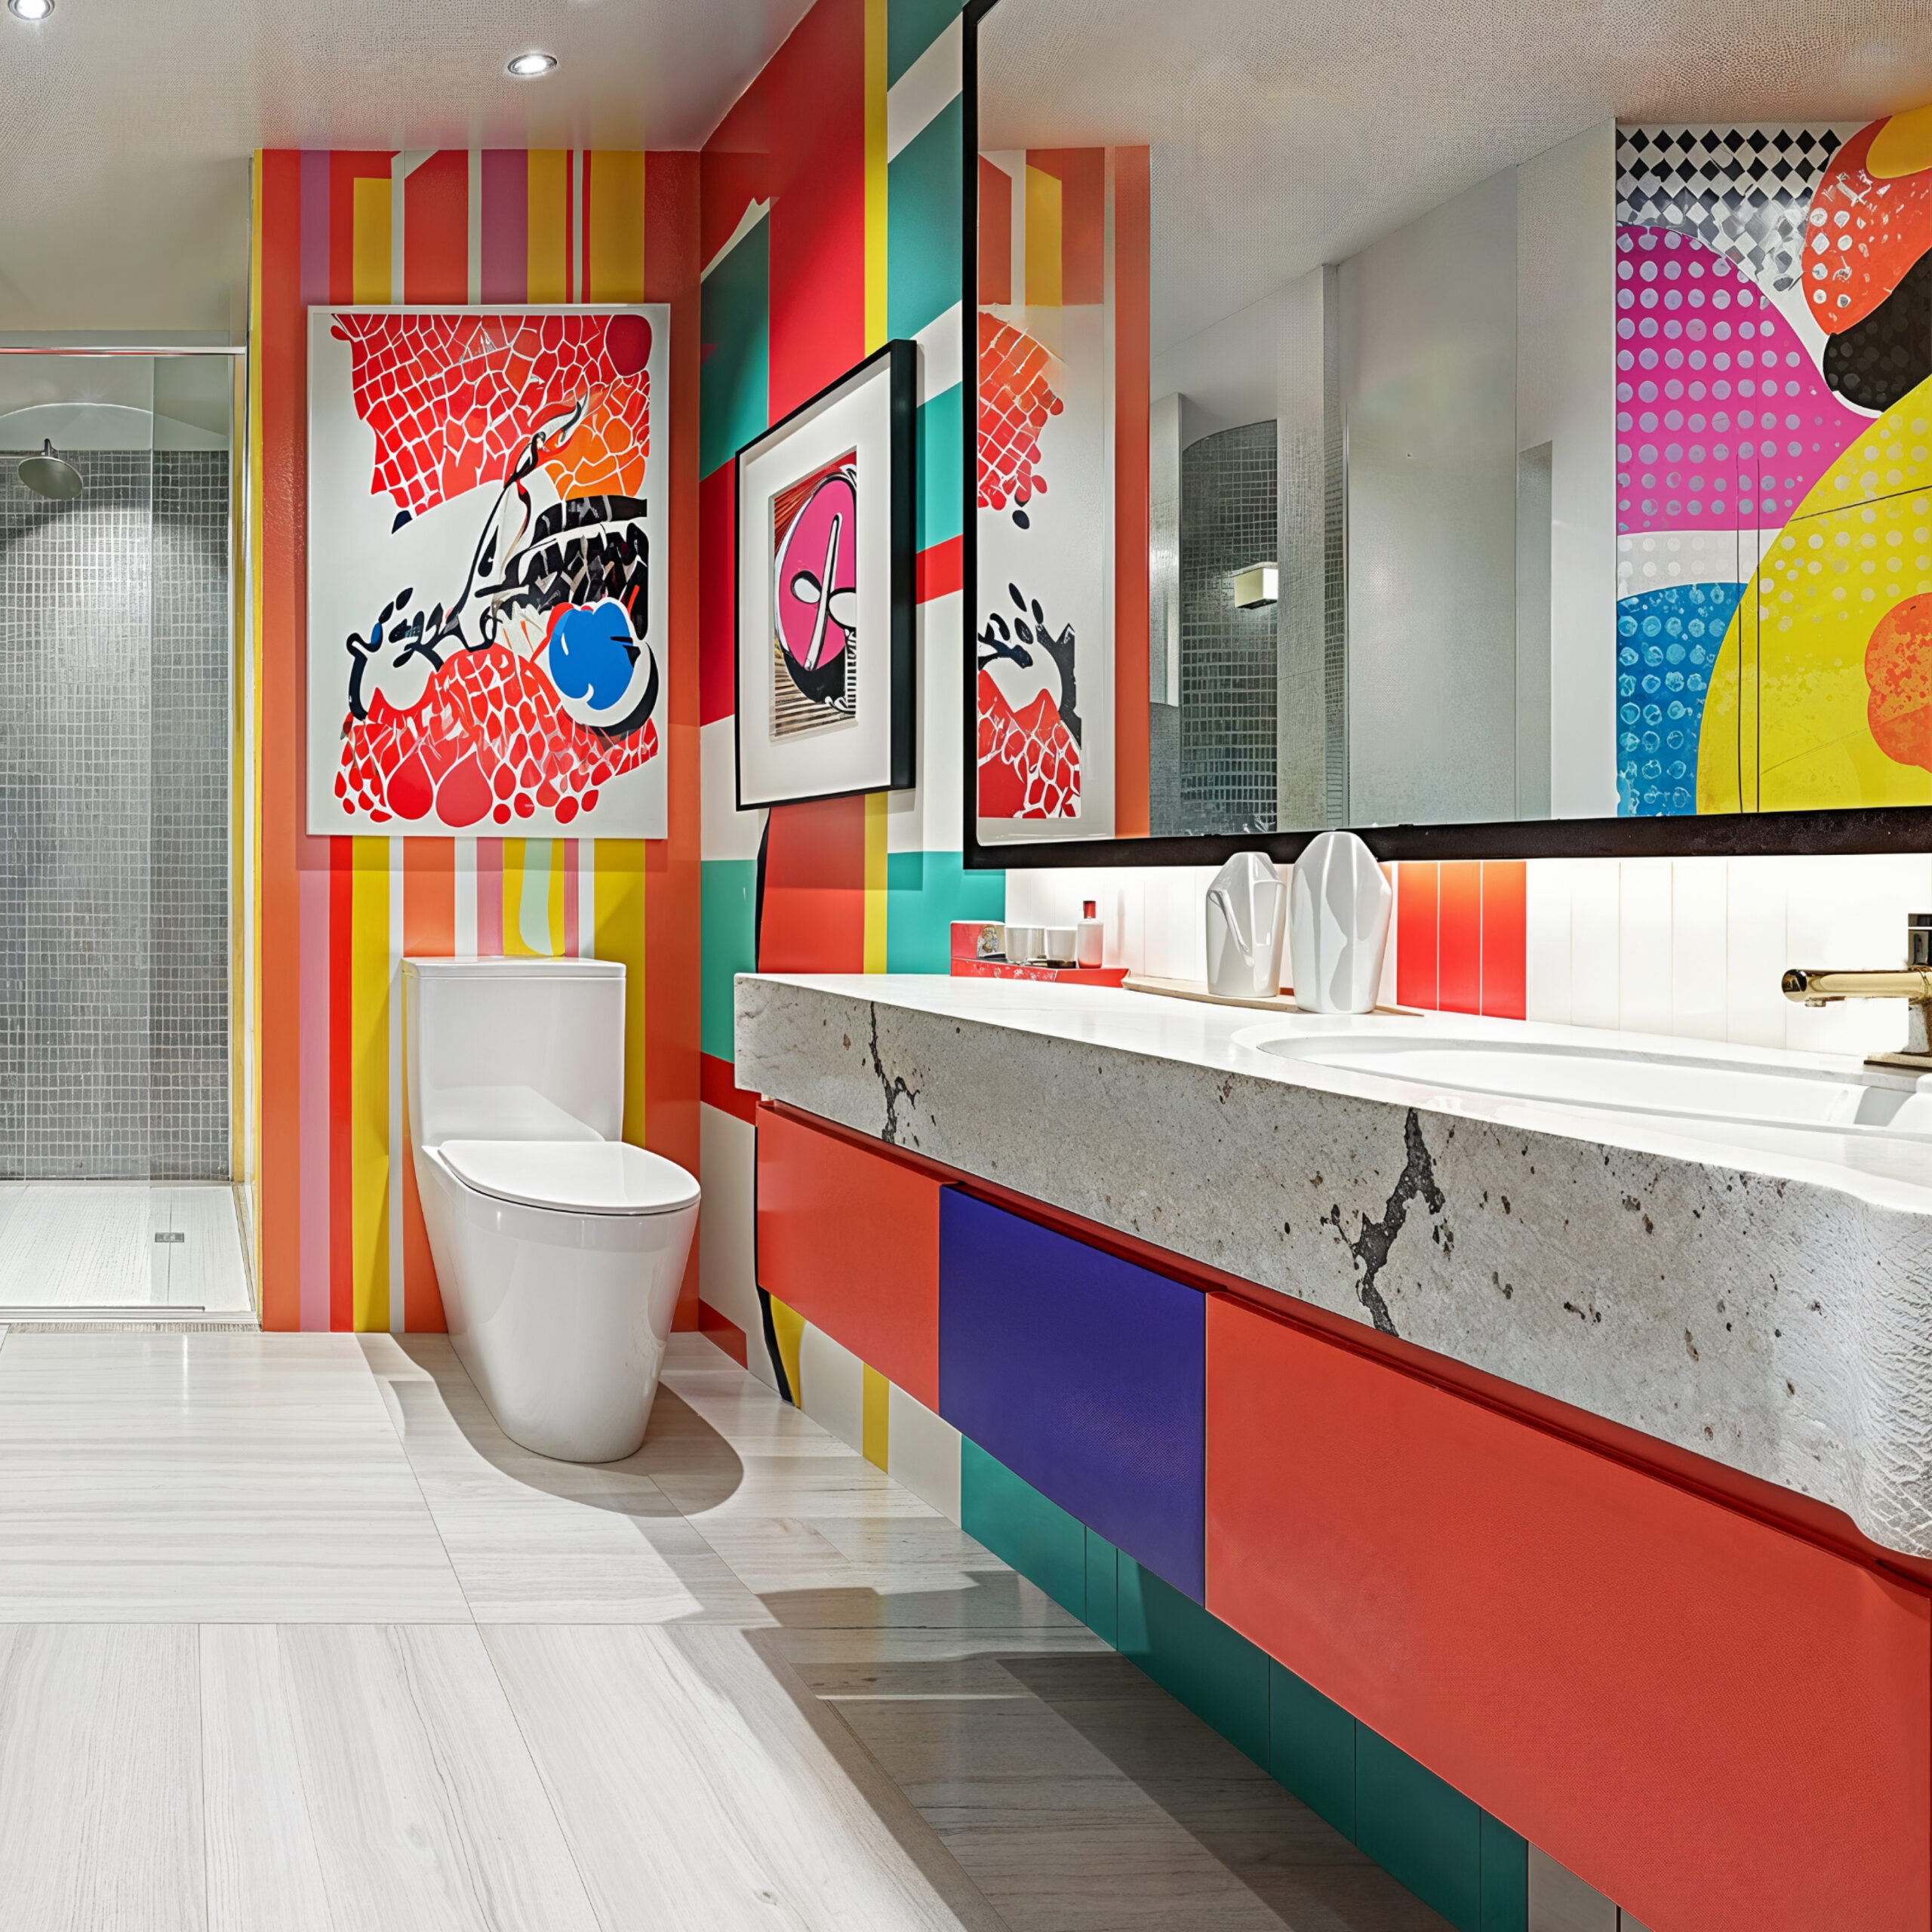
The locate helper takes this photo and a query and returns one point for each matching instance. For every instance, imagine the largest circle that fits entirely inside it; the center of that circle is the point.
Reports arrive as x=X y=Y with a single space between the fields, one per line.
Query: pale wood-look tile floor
x=293 y=1639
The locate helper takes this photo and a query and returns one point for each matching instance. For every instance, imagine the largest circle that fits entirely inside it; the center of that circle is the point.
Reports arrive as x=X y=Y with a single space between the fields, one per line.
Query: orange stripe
x=672 y=894
x=275 y=508
x=1133 y=290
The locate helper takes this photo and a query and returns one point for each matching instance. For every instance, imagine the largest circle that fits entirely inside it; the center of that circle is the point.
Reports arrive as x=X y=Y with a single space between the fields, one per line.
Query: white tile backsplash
x=1693 y=947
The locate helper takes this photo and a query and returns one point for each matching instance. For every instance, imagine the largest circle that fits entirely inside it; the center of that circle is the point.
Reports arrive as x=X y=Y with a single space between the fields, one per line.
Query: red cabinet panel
x=850 y=1239
x=1722 y=1726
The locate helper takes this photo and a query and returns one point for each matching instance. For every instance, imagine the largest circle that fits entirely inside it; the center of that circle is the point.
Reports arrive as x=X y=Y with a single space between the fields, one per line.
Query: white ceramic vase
x=1247 y=907
x=1338 y=925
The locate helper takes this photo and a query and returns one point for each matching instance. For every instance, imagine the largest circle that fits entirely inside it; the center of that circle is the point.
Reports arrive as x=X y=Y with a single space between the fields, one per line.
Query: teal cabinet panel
x=1422 y=1831
x=1505 y=1878
x=1023 y=1528
x=1102 y=1588
x=1311 y=1747
x=1209 y=1665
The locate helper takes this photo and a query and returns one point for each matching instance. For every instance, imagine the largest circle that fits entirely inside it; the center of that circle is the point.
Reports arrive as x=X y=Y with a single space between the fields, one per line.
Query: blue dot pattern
x=1667 y=644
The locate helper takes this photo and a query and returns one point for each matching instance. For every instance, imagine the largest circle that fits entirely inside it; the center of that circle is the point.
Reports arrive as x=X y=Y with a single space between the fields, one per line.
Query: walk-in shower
x=117 y=573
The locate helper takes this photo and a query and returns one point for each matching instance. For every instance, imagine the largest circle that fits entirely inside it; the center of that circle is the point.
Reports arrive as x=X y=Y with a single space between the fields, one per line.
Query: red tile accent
x=813 y=916
x=718 y=1087
x=1416 y=893
x=942 y=570
x=1459 y=937
x=1506 y=938
x=1716 y=1723
x=727 y=1335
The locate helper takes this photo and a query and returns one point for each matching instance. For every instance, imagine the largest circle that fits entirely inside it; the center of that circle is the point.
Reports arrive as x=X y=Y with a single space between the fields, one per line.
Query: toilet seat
x=572 y=1177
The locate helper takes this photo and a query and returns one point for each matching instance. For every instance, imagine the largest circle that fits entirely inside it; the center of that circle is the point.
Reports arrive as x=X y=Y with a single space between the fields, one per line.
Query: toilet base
x=561 y=1319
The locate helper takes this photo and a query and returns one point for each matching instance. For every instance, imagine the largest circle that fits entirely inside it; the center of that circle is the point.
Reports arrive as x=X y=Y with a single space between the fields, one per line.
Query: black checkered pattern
x=1742 y=191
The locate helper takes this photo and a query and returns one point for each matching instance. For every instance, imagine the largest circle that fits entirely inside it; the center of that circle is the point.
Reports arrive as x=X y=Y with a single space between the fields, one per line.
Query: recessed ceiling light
x=30 y=9
x=524 y=66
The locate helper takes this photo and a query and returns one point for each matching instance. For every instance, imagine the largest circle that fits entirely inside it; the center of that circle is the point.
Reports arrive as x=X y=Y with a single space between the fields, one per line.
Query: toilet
x=559 y=1247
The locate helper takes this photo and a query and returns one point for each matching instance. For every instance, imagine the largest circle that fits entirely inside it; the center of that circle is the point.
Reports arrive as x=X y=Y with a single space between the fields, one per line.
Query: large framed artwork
x=825 y=592
x=487 y=509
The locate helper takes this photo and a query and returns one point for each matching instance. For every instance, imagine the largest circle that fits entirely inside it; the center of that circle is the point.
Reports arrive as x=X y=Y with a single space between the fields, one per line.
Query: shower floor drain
x=170 y=1240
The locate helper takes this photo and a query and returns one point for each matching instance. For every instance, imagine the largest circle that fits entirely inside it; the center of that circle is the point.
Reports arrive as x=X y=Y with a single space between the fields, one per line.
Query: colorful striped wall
x=830 y=224
x=342 y=1240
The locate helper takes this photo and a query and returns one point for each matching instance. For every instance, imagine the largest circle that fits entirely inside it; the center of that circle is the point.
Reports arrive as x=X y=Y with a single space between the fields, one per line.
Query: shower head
x=47 y=474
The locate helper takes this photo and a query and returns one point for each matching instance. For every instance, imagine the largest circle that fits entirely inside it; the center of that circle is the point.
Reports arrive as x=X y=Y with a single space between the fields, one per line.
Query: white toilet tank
x=514 y=1049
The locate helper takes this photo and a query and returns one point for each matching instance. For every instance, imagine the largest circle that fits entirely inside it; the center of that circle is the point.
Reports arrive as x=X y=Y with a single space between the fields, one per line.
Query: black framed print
x=825 y=631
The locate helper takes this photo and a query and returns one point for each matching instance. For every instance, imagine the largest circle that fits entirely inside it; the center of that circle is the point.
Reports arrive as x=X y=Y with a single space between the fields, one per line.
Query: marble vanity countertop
x=1760 y=1294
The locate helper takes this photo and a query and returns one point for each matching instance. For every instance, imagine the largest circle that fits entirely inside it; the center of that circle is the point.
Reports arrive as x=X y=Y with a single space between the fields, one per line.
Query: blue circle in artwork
x=591 y=652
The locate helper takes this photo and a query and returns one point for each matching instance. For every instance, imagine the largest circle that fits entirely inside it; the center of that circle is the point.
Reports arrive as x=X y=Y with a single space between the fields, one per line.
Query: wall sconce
x=1260 y=585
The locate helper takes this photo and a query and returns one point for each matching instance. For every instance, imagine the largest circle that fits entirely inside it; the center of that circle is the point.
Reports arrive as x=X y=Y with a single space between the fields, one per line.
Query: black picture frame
x=902 y=357
x=1825 y=830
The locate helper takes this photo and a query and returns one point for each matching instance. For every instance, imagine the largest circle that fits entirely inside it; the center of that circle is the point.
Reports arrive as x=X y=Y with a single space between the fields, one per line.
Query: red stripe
x=718 y=1087
x=995 y=233
x=941 y=570
x=1133 y=296
x=435 y=229
x=1081 y=174
x=1415 y=933
x=1459 y=937
x=814 y=888
x=342 y=1199
x=673 y=889
x=1506 y=938
x=815 y=95
x=280 y=348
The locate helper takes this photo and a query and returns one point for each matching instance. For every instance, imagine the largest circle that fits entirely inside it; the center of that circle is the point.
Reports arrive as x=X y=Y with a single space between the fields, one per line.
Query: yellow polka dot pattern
x=1785 y=727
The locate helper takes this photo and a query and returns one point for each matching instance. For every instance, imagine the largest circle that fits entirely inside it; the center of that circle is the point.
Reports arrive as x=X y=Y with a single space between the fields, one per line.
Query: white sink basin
x=1551 y=1066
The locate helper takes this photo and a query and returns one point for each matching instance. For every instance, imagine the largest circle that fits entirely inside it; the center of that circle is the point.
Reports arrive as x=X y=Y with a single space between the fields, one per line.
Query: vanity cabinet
x=1720 y=1724
x=1082 y=1372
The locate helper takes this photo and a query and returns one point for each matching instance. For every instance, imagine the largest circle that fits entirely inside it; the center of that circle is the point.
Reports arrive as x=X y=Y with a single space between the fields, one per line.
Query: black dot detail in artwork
x=1878 y=360
x=1023 y=519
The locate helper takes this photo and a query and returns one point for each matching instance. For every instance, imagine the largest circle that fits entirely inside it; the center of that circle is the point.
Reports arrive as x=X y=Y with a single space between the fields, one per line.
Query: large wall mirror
x=1503 y=430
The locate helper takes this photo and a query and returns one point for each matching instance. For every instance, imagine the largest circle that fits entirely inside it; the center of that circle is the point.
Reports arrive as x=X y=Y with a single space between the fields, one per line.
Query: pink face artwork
x=818 y=582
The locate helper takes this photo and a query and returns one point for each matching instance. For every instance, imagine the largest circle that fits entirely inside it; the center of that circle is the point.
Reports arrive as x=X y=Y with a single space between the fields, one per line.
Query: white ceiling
x=1289 y=133
x=128 y=124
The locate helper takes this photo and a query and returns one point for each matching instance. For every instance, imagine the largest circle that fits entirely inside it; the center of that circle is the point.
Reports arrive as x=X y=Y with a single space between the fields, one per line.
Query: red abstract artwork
x=506 y=674
x=1015 y=399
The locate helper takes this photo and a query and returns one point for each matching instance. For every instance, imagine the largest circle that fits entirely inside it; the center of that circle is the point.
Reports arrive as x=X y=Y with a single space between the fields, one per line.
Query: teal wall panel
x=727 y=925
x=1102 y=1615
x=922 y=236
x=1022 y=1528
x=1208 y=1665
x=1505 y=1878
x=734 y=380
x=911 y=27
x=1311 y=1747
x=942 y=457
x=924 y=893
x=1418 y=1829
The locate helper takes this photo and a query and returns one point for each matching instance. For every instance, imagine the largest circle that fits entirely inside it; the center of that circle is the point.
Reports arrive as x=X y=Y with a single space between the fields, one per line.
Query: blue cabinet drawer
x=1083 y=1374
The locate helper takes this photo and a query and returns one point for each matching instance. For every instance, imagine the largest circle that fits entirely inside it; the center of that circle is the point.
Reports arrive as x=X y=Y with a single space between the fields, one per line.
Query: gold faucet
x=1809 y=986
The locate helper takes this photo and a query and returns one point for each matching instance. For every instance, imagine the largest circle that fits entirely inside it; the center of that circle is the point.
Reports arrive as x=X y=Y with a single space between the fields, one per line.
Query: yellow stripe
x=618 y=921
x=369 y=1079
x=253 y=595
x=614 y=271
x=788 y=1326
x=1043 y=240
x=875 y=174
x=549 y=230
x=874 y=942
x=877 y=1413
x=555 y=910
x=369 y=256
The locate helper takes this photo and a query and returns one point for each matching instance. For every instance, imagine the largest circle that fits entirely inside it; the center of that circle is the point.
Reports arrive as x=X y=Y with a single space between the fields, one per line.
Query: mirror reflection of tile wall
x=1602 y=479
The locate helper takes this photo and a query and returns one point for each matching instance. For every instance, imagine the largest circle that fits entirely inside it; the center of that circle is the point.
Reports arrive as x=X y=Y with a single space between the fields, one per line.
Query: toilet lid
x=580 y=1176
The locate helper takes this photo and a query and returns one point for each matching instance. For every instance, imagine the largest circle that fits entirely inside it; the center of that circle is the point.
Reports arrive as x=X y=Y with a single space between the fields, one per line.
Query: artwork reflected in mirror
x=1568 y=458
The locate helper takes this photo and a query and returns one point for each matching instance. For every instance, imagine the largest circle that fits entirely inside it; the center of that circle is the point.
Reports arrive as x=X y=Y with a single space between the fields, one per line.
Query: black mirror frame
x=1877 y=829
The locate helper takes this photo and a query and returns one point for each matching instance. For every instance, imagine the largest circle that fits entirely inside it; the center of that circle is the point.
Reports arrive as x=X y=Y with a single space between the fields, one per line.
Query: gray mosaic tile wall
x=1228 y=675
x=114 y=822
